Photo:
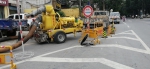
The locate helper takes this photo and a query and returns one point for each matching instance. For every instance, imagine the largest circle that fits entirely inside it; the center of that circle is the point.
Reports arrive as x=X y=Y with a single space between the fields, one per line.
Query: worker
x=124 y=18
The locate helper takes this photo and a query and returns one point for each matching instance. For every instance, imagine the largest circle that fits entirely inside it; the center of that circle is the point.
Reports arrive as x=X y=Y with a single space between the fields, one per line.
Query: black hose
x=8 y=38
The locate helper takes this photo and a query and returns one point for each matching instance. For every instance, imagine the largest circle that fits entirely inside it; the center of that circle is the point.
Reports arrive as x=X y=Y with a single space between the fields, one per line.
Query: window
x=11 y=17
x=17 y=17
x=96 y=13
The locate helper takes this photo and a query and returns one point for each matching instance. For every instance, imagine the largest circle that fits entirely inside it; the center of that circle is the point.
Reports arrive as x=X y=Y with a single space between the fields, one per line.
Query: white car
x=114 y=17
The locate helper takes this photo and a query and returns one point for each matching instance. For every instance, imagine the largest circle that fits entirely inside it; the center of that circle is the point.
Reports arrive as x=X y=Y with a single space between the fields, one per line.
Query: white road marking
x=145 y=46
x=104 y=61
x=124 y=38
x=127 y=33
x=124 y=32
x=126 y=24
x=6 y=66
x=138 y=38
x=123 y=47
x=78 y=46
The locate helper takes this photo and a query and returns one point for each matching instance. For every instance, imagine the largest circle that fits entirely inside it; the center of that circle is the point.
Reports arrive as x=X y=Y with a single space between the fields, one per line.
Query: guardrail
x=3 y=57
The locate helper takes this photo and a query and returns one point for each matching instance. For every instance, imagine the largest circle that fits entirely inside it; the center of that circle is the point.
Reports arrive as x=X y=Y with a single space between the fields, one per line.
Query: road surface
x=129 y=48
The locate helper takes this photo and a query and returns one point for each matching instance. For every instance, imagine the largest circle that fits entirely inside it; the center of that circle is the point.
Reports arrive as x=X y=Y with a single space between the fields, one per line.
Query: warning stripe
x=20 y=23
x=20 y=31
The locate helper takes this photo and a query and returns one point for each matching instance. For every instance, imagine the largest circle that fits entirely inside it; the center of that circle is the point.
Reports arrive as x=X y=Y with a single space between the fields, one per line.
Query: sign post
x=88 y=12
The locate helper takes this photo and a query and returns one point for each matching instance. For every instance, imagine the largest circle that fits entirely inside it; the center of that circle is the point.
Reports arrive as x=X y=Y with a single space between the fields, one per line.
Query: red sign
x=87 y=11
x=4 y=2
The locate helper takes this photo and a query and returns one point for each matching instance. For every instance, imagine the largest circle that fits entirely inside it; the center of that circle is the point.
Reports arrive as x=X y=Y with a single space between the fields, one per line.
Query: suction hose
x=27 y=37
x=19 y=43
x=48 y=9
x=38 y=11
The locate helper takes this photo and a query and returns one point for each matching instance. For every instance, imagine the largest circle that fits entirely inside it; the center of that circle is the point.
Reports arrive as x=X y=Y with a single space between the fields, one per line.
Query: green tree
x=125 y=7
x=134 y=6
x=110 y=4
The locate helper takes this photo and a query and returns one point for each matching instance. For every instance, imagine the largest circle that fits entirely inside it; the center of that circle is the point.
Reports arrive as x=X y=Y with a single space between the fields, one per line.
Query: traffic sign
x=87 y=11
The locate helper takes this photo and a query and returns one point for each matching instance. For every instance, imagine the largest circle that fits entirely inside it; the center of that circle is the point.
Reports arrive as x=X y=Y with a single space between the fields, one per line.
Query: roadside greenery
x=125 y=7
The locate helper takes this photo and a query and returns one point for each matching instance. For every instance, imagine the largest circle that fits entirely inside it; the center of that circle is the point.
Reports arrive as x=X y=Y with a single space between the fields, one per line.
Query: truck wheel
x=60 y=37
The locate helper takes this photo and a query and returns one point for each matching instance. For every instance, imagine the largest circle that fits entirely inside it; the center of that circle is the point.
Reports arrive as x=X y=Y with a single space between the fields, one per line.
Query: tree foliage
x=135 y=6
x=116 y=5
x=125 y=7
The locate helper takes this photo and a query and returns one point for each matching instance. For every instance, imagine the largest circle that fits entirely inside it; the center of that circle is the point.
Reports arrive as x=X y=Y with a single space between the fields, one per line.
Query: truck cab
x=15 y=16
x=26 y=22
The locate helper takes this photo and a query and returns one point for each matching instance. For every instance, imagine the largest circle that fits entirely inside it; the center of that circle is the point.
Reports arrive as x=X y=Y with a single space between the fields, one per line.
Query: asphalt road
x=129 y=48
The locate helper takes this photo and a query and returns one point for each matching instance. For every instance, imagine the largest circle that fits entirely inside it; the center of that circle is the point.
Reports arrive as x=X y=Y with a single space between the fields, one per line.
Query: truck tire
x=11 y=33
x=60 y=37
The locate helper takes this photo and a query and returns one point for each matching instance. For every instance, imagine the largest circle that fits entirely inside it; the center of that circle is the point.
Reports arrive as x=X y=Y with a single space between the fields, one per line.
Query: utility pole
x=103 y=5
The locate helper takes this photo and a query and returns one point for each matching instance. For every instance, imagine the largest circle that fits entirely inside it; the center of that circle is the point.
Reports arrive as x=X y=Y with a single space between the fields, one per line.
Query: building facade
x=30 y=5
x=4 y=10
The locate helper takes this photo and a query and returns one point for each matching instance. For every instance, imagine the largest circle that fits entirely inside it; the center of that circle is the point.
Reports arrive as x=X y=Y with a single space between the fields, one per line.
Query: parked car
x=26 y=25
x=114 y=17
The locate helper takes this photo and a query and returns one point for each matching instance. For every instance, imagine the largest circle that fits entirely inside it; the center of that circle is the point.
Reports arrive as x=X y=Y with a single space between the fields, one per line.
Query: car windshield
x=100 y=13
